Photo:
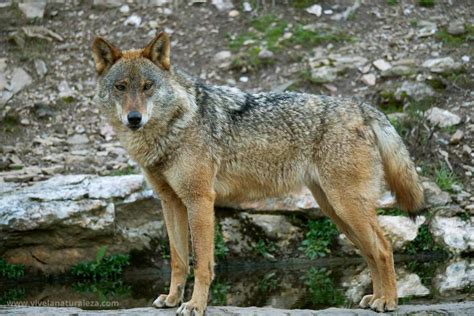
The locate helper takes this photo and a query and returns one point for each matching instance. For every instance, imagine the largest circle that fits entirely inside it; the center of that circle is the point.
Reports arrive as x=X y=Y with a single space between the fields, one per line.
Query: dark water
x=284 y=284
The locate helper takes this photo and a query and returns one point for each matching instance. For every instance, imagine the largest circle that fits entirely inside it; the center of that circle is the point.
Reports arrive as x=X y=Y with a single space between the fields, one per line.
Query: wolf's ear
x=158 y=51
x=105 y=54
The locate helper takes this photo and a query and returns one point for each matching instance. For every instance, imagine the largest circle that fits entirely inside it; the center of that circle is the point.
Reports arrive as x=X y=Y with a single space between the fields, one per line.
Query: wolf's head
x=135 y=84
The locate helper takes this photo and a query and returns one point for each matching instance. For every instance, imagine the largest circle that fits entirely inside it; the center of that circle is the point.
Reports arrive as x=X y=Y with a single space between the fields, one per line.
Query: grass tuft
x=445 y=178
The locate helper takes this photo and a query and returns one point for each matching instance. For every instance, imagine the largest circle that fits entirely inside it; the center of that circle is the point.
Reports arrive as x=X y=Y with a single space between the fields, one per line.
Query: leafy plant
x=268 y=283
x=322 y=288
x=219 y=292
x=264 y=248
x=318 y=238
x=11 y=271
x=220 y=248
x=423 y=242
x=104 y=267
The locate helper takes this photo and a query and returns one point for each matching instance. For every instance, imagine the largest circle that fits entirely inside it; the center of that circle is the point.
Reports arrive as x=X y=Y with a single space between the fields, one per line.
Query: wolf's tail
x=399 y=169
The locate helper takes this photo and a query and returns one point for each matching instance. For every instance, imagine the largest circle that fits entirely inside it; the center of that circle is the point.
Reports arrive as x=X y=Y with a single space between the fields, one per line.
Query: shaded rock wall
x=53 y=224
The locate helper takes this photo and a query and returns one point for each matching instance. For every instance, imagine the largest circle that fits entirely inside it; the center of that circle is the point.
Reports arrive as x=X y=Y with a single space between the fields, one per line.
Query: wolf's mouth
x=134 y=127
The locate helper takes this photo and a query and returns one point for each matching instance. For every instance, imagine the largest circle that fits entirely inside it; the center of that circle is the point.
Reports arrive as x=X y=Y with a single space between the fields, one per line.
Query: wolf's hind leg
x=357 y=213
x=328 y=210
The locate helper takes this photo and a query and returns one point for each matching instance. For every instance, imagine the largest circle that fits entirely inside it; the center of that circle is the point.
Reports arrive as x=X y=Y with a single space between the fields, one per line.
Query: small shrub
x=320 y=235
x=268 y=283
x=220 y=248
x=219 y=292
x=392 y=2
x=104 y=267
x=11 y=271
x=264 y=248
x=322 y=288
x=423 y=242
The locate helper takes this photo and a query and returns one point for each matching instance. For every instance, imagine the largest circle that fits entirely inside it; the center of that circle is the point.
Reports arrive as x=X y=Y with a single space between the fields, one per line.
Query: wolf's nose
x=134 y=118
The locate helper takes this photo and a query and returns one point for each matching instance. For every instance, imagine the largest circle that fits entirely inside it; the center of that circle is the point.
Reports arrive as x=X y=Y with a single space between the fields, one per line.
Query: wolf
x=199 y=145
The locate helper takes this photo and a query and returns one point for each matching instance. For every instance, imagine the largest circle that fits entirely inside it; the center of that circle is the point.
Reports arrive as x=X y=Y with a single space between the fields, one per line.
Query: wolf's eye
x=148 y=86
x=120 y=87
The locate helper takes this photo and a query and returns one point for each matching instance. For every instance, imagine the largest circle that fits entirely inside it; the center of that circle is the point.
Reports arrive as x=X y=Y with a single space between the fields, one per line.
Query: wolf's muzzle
x=134 y=120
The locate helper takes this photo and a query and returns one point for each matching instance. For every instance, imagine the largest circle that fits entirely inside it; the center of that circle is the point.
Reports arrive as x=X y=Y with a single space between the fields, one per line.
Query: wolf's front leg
x=201 y=222
x=176 y=221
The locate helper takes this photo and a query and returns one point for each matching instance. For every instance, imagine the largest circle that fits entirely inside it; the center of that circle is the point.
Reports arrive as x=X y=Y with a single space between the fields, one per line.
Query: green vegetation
x=323 y=290
x=267 y=32
x=11 y=295
x=392 y=212
x=309 y=38
x=320 y=235
x=220 y=249
x=425 y=270
x=123 y=172
x=271 y=29
x=218 y=293
x=264 y=248
x=392 y=2
x=423 y=242
x=11 y=271
x=164 y=249
x=268 y=283
x=10 y=121
x=389 y=103
x=445 y=178
x=302 y=4
x=106 y=290
x=104 y=267
x=427 y=3
x=442 y=35
x=461 y=79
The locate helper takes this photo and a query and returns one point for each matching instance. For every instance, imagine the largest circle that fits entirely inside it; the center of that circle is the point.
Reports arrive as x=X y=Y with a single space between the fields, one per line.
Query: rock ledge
x=465 y=308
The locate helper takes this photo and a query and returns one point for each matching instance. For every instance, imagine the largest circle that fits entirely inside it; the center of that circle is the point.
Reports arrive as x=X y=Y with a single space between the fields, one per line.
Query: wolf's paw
x=166 y=301
x=366 y=301
x=191 y=309
x=383 y=304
